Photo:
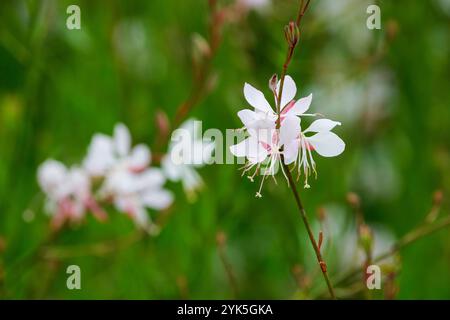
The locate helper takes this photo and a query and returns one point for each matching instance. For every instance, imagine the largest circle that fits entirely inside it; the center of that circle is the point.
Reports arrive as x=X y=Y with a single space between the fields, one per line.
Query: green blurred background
x=388 y=87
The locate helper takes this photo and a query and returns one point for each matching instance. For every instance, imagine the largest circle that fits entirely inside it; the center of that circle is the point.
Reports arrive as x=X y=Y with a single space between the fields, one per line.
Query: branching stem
x=320 y=260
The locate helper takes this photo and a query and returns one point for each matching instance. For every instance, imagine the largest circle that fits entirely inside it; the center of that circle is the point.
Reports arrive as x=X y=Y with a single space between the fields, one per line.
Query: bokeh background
x=388 y=87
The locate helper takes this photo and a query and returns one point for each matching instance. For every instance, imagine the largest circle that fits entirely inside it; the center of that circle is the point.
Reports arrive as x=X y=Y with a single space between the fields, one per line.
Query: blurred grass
x=58 y=87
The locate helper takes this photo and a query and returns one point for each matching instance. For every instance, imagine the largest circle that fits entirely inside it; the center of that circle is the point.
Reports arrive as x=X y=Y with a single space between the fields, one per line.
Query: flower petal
x=301 y=106
x=191 y=180
x=140 y=157
x=51 y=175
x=157 y=199
x=263 y=135
x=150 y=179
x=122 y=139
x=289 y=91
x=140 y=216
x=290 y=151
x=256 y=99
x=251 y=149
x=247 y=117
x=171 y=170
x=322 y=125
x=289 y=130
x=327 y=144
x=79 y=184
x=100 y=156
x=240 y=149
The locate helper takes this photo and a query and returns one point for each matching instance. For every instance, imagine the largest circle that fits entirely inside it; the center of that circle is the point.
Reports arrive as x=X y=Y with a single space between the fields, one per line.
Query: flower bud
x=392 y=29
x=437 y=197
x=292 y=33
x=353 y=200
x=365 y=238
x=162 y=123
x=221 y=238
x=200 y=48
x=273 y=82
x=321 y=214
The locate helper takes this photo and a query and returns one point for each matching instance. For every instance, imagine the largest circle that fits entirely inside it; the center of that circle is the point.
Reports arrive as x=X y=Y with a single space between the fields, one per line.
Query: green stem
x=322 y=264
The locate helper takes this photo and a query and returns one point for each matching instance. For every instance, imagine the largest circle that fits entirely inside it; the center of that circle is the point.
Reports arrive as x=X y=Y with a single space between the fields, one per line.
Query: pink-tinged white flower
x=187 y=152
x=128 y=182
x=317 y=137
x=265 y=142
x=133 y=192
x=68 y=192
x=272 y=137
x=263 y=148
x=105 y=152
x=264 y=116
x=255 y=4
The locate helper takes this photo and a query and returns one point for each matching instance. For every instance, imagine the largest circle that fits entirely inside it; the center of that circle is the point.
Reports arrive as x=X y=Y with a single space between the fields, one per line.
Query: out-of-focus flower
x=376 y=161
x=133 y=192
x=343 y=20
x=131 y=43
x=128 y=182
x=258 y=5
x=342 y=246
x=186 y=153
x=68 y=192
x=106 y=152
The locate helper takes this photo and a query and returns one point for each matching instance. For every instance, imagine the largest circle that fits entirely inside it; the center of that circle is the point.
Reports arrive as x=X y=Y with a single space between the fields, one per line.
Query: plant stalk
x=320 y=260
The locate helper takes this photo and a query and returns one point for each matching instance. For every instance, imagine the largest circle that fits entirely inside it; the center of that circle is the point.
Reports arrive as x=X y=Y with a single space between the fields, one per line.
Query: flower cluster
x=113 y=172
x=276 y=136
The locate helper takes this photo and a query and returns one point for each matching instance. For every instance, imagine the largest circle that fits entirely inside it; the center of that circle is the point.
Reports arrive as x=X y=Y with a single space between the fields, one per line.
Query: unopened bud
x=211 y=83
x=321 y=214
x=162 y=123
x=438 y=197
x=353 y=199
x=366 y=238
x=297 y=270
x=392 y=29
x=200 y=48
x=273 y=82
x=221 y=238
x=292 y=33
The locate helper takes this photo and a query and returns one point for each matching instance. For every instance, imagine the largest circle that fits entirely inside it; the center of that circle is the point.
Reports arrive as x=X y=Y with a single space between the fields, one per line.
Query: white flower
x=324 y=142
x=67 y=190
x=265 y=142
x=255 y=4
x=127 y=180
x=133 y=192
x=269 y=140
x=263 y=146
x=187 y=151
x=264 y=116
x=105 y=152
